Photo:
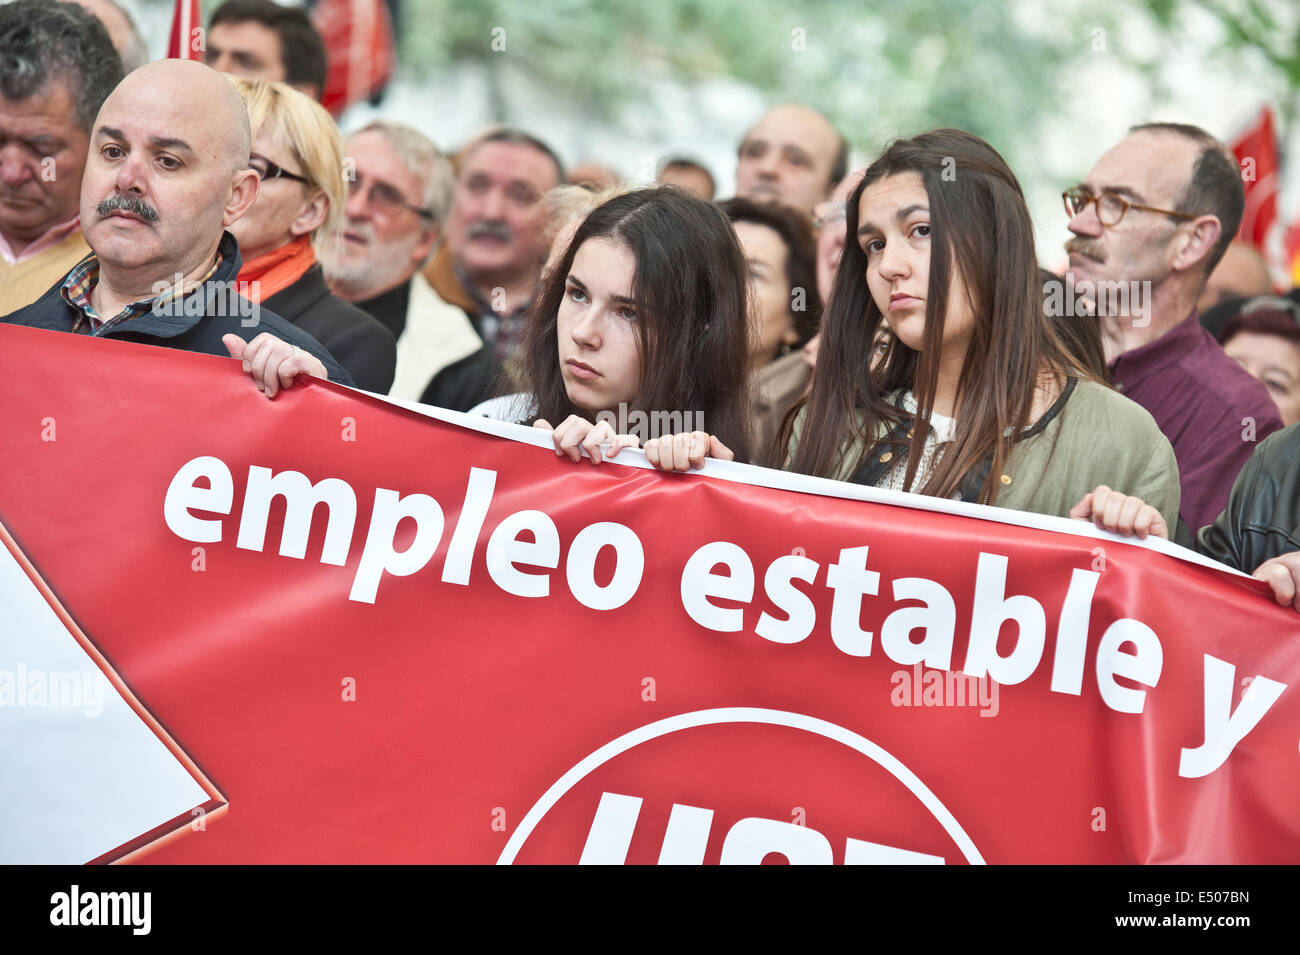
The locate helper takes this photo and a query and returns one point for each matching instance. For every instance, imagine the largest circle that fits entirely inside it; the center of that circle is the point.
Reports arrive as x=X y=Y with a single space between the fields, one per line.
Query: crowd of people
x=888 y=325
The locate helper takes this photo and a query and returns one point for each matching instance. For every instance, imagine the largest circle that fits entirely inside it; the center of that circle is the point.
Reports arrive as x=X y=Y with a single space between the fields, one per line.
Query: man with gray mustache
x=164 y=176
x=128 y=204
x=498 y=237
x=1151 y=220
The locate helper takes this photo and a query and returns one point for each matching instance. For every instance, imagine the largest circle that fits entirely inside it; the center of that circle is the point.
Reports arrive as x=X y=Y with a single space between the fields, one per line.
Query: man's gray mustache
x=129 y=204
x=490 y=229
x=1085 y=249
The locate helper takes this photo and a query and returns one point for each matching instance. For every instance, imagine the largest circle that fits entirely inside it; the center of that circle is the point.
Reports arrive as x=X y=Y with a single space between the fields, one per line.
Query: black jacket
x=364 y=347
x=1262 y=519
x=187 y=327
x=466 y=383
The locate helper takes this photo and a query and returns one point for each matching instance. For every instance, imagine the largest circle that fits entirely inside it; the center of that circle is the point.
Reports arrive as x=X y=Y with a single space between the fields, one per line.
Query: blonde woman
x=298 y=155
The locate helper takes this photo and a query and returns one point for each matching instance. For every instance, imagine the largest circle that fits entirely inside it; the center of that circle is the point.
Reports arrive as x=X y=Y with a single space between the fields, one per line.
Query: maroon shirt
x=1205 y=404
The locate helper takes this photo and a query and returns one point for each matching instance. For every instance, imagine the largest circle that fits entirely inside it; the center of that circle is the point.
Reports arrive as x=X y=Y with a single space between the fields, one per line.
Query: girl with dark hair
x=781 y=253
x=975 y=398
x=641 y=327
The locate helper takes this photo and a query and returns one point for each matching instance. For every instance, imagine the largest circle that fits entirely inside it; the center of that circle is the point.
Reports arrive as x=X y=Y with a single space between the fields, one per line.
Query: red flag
x=1256 y=152
x=187 y=21
x=358 y=36
x=1291 y=249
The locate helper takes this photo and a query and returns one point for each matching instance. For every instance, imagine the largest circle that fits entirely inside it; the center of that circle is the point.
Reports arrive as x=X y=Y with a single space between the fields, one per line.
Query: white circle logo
x=749 y=839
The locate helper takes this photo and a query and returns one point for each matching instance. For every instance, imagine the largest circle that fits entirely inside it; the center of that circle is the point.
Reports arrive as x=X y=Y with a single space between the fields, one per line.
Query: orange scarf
x=276 y=270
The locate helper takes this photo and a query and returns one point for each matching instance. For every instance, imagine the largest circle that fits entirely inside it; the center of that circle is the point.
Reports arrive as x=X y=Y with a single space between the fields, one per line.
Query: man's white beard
x=363 y=277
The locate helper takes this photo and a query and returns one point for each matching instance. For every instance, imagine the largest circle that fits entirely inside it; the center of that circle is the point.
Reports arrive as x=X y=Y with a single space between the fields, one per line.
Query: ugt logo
x=719 y=785
x=748 y=842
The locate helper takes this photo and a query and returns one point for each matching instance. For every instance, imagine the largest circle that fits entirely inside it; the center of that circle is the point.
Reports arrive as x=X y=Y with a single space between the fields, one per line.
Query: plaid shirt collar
x=81 y=282
x=502 y=330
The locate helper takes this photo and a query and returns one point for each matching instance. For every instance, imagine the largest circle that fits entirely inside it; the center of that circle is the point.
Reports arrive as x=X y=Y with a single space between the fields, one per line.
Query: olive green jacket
x=1097 y=437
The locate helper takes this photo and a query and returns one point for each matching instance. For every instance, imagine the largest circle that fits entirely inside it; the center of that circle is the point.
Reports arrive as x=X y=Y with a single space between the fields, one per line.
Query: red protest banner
x=388 y=638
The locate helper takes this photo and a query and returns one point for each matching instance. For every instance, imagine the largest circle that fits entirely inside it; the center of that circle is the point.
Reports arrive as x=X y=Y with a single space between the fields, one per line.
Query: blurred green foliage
x=1271 y=29
x=991 y=66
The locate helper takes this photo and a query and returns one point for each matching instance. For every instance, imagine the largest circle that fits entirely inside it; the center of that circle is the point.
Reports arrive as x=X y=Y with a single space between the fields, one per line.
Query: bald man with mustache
x=166 y=173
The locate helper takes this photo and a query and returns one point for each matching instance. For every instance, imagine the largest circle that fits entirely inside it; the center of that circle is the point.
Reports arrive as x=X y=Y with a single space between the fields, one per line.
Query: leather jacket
x=1262 y=519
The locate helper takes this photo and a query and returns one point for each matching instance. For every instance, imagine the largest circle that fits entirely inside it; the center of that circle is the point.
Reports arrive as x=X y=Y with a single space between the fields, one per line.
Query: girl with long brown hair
x=976 y=397
x=641 y=325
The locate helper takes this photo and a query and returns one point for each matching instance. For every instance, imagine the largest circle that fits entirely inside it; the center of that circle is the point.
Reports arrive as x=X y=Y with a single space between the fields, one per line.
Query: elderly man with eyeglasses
x=399 y=189
x=1149 y=224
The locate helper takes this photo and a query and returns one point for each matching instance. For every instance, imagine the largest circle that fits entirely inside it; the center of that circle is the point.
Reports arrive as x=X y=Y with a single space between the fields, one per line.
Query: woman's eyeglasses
x=266 y=169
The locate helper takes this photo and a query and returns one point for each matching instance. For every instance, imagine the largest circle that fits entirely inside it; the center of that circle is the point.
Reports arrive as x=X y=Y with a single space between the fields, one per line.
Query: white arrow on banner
x=82 y=772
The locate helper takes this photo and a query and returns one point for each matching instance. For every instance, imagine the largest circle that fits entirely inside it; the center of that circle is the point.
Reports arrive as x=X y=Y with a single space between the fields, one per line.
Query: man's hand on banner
x=273 y=364
x=681 y=452
x=1283 y=575
x=576 y=434
x=1120 y=513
